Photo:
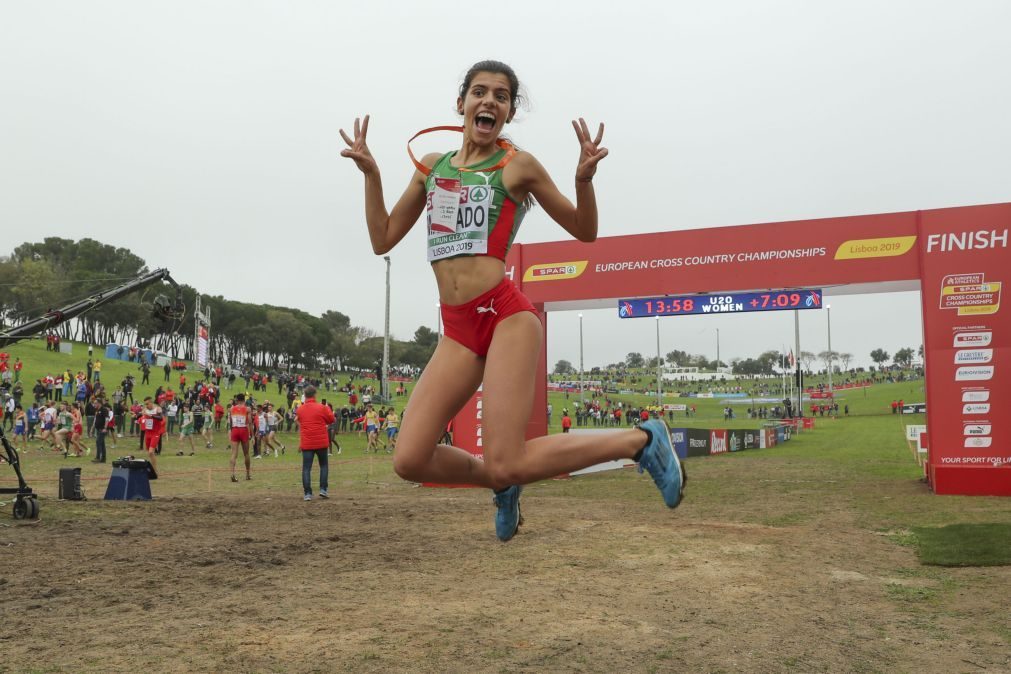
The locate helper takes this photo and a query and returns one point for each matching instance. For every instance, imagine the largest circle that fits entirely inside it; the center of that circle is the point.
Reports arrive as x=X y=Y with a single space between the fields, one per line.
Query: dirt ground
x=400 y=579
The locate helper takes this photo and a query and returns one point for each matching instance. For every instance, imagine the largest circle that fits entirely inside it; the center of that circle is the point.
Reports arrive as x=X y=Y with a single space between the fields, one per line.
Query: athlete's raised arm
x=386 y=229
x=580 y=220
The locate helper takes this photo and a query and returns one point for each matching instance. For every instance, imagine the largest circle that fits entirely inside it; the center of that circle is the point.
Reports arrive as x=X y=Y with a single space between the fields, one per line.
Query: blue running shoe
x=663 y=464
x=508 y=518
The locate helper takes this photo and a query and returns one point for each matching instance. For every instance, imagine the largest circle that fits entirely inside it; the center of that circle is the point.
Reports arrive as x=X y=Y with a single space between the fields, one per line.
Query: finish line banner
x=719 y=303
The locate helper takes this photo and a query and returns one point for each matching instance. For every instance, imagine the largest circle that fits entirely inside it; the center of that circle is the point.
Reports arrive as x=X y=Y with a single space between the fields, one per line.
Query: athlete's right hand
x=358 y=150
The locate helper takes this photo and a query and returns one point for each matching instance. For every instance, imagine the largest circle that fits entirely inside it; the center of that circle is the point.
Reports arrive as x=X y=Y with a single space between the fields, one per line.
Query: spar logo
x=973 y=356
x=972 y=339
x=554 y=272
x=717 y=442
x=978 y=373
x=625 y=310
x=976 y=408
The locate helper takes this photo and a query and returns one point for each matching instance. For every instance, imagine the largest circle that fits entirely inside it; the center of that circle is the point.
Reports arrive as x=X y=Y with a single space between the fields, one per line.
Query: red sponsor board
x=824 y=252
x=468 y=431
x=718 y=441
x=964 y=262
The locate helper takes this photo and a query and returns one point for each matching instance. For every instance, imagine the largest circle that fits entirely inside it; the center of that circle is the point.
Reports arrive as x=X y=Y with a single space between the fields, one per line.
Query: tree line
x=39 y=277
x=767 y=363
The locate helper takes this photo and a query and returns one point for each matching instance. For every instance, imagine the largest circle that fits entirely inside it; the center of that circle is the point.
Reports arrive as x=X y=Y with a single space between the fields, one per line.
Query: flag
x=793 y=361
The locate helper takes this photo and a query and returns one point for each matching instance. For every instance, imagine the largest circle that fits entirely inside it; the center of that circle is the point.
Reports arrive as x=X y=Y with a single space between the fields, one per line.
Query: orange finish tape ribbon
x=501 y=142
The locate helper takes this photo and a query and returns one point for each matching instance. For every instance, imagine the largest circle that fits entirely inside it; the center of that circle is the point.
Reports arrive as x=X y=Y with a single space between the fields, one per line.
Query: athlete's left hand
x=590 y=152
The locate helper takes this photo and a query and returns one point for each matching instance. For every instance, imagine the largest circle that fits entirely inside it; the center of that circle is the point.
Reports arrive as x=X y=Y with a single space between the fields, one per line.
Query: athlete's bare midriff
x=461 y=279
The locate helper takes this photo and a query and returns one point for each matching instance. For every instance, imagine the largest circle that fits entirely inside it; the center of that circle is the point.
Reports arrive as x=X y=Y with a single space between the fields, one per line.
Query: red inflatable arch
x=955 y=257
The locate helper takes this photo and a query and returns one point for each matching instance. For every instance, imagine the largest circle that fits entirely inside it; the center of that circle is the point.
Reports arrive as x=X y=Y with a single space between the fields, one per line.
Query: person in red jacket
x=313 y=421
x=566 y=422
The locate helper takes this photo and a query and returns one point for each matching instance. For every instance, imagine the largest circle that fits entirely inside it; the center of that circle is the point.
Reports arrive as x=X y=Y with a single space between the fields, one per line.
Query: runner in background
x=258 y=431
x=210 y=411
x=219 y=413
x=272 y=421
x=240 y=419
x=152 y=423
x=186 y=430
x=77 y=430
x=392 y=428
x=371 y=429
x=20 y=428
x=49 y=417
x=64 y=428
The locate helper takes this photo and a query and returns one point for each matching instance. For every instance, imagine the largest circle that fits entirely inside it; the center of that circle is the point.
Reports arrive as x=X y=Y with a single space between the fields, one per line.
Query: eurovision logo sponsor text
x=974 y=373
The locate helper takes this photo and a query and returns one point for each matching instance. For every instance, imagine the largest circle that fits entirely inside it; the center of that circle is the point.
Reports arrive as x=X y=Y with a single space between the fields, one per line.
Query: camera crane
x=164 y=309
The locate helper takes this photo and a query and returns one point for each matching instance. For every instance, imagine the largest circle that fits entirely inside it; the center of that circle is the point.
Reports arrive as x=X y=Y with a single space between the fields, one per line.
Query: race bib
x=458 y=217
x=239 y=421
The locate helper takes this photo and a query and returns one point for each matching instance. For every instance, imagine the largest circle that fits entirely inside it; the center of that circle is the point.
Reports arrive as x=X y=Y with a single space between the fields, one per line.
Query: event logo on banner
x=968 y=349
x=970 y=295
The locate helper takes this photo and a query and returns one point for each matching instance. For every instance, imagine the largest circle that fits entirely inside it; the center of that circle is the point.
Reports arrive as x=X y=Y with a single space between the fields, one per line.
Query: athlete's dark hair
x=498 y=68
x=516 y=98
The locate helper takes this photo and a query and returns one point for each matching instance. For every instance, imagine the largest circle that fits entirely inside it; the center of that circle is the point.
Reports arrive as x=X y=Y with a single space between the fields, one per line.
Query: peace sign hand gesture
x=358 y=150
x=590 y=152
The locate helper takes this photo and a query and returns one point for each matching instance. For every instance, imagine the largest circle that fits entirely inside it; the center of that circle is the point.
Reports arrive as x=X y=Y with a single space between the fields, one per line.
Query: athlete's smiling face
x=486 y=108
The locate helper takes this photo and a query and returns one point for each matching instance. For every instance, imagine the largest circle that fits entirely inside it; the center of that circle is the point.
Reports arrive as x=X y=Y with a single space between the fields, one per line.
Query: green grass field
x=827 y=553
x=860 y=455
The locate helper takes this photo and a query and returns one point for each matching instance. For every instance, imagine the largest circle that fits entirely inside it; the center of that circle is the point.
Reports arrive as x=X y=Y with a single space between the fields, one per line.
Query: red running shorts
x=473 y=323
x=239 y=435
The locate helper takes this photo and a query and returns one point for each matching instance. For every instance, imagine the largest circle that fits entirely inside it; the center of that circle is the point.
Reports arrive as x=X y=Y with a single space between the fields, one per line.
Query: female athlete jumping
x=475 y=199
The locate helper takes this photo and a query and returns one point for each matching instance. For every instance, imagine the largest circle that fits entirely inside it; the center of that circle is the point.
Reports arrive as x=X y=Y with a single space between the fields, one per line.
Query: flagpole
x=782 y=370
x=800 y=389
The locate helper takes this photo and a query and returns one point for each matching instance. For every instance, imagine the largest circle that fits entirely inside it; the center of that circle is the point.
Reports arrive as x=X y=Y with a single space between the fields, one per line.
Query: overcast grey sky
x=203 y=136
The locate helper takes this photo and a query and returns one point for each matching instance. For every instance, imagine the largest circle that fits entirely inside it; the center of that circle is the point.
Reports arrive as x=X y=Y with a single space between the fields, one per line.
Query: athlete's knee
x=409 y=466
x=503 y=474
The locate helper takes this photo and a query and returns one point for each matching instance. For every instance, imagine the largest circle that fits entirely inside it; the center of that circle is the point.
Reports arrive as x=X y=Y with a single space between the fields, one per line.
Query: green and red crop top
x=469 y=212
